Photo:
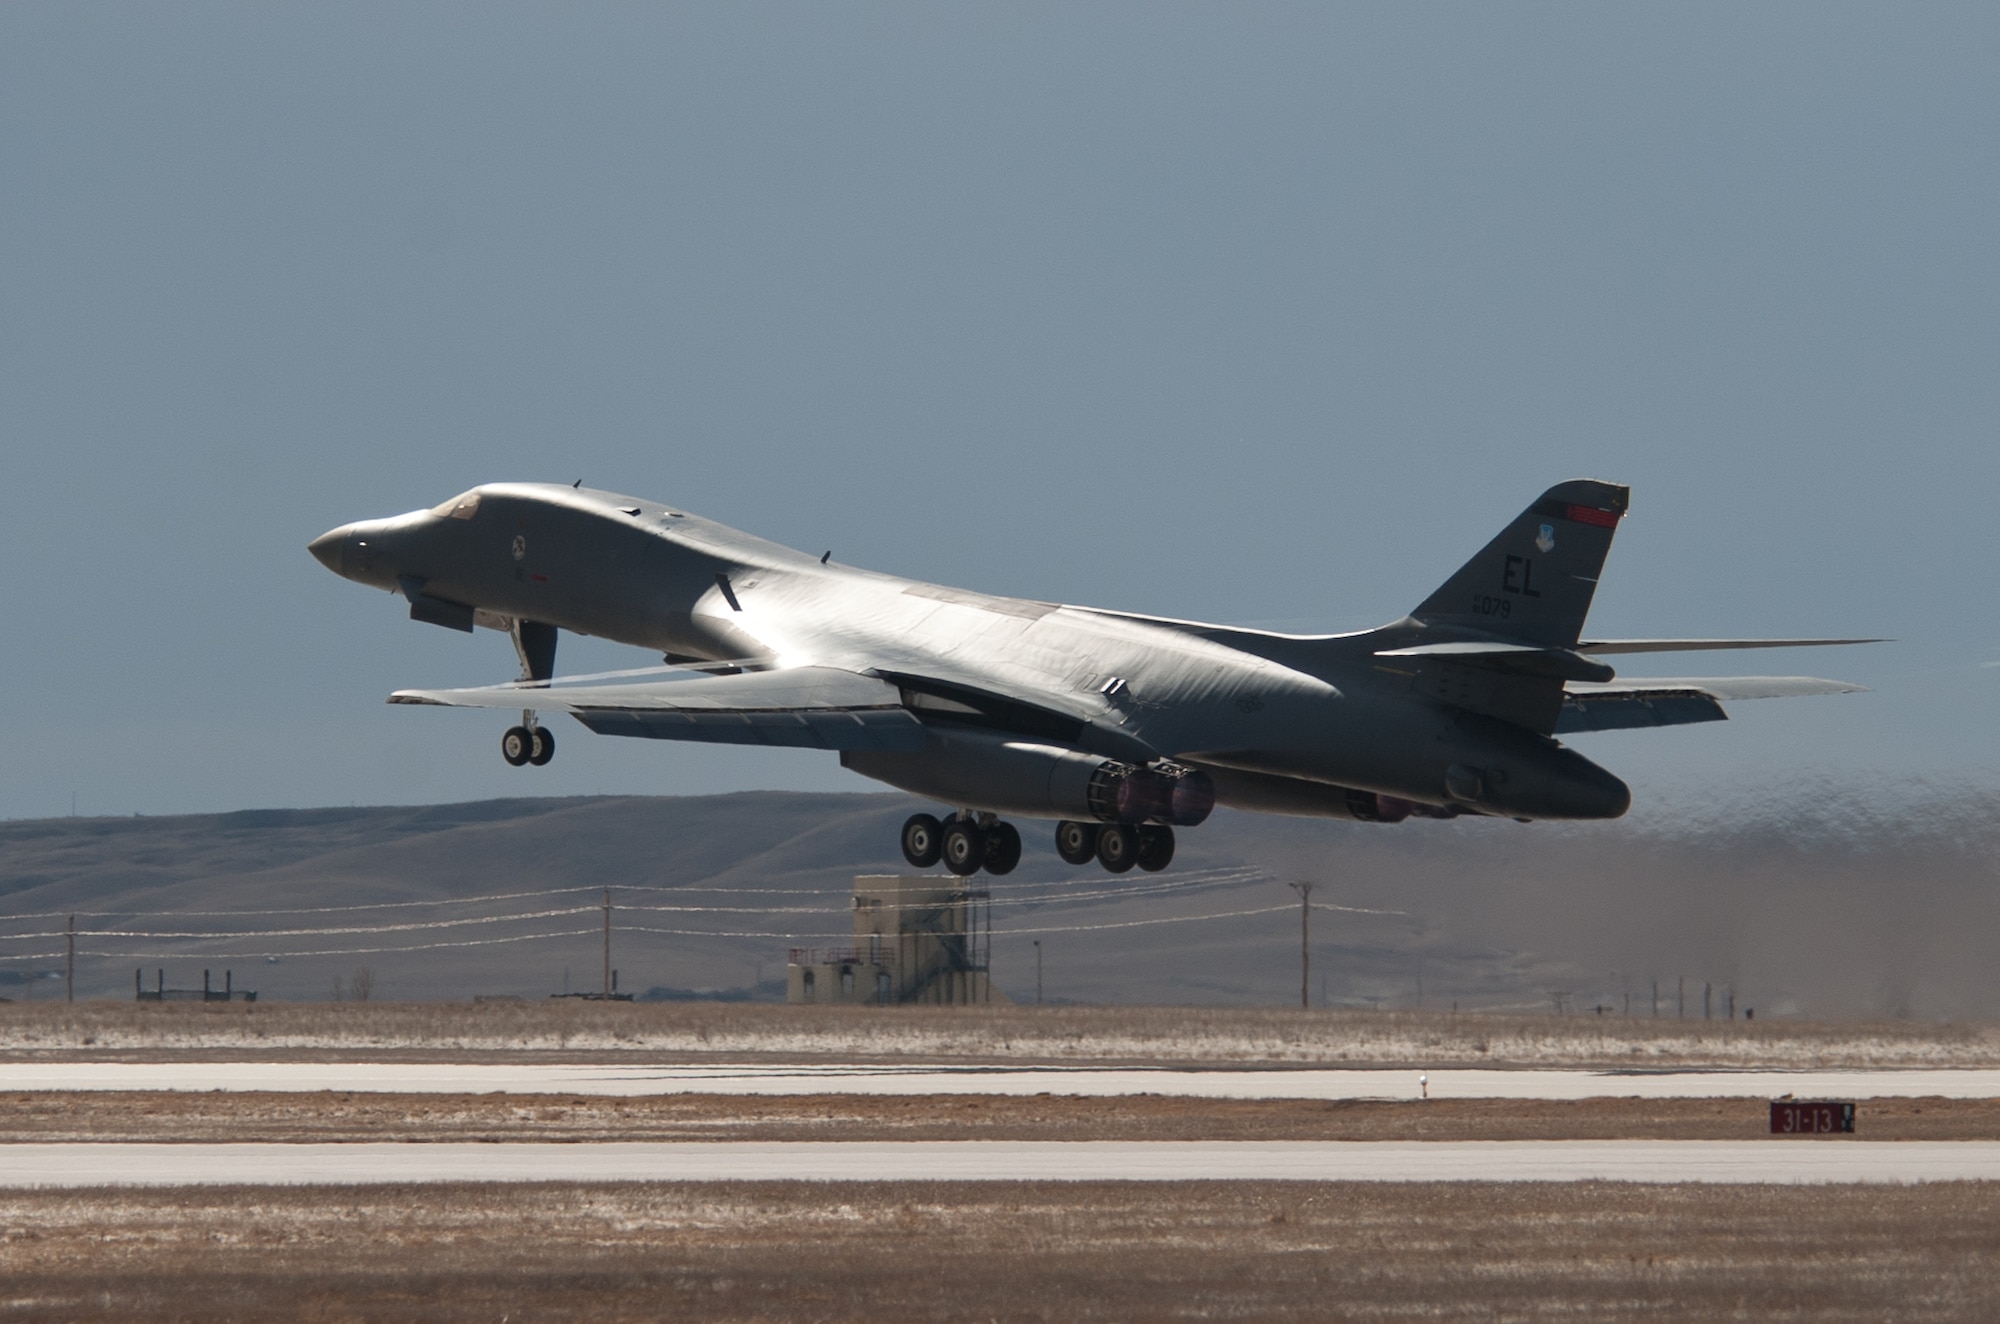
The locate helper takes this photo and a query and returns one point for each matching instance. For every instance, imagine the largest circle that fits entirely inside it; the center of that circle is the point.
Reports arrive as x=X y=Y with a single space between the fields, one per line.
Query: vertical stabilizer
x=1535 y=581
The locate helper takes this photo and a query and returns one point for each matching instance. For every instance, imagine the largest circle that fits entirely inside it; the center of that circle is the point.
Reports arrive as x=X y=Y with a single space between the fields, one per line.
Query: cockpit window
x=461 y=507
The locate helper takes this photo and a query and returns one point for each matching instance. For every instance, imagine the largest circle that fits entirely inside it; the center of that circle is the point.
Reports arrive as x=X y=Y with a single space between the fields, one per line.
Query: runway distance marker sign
x=1811 y=1117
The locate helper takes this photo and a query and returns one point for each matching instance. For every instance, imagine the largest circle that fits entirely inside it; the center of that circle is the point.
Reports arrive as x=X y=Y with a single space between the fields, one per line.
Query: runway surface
x=1711 y=1161
x=746 y=1079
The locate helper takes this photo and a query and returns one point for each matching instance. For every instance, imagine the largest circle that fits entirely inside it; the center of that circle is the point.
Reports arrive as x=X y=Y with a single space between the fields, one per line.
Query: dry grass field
x=578 y=1031
x=1062 y=1251
x=338 y=1117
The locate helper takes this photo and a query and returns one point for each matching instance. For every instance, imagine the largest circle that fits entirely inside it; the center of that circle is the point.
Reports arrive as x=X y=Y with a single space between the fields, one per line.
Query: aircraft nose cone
x=329 y=549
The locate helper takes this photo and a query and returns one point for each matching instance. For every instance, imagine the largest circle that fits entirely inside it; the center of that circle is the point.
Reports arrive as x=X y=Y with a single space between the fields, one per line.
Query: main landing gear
x=529 y=742
x=967 y=842
x=1116 y=846
x=964 y=843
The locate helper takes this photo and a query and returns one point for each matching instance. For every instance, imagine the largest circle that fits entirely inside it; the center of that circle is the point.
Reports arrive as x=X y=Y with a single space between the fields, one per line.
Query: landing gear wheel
x=963 y=847
x=1076 y=842
x=1117 y=847
x=1003 y=849
x=922 y=835
x=517 y=746
x=1156 y=848
x=545 y=746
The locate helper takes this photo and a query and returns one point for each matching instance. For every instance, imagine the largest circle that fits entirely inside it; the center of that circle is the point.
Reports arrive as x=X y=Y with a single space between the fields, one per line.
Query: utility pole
x=1681 y=998
x=1038 y=972
x=607 y=942
x=1305 y=891
x=1656 y=999
x=69 y=967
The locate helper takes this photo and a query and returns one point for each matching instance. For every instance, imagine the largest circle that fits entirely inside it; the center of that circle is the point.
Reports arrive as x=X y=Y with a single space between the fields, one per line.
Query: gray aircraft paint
x=1006 y=705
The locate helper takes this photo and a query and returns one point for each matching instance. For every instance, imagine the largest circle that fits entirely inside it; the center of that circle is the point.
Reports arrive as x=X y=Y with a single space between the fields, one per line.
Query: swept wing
x=803 y=707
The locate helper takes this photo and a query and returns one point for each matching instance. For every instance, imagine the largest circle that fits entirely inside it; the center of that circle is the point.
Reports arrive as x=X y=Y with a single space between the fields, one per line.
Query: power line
x=1183 y=884
x=413 y=926
x=1052 y=892
x=336 y=951
x=1071 y=896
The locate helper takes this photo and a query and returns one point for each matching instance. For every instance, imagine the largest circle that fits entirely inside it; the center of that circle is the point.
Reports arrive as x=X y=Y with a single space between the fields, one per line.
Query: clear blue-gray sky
x=1256 y=313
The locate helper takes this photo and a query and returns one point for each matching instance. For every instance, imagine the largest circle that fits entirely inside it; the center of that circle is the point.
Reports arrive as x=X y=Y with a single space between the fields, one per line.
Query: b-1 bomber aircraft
x=1122 y=727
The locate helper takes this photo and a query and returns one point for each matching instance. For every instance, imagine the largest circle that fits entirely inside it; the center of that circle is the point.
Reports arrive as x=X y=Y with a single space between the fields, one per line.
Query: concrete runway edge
x=878 y=1079
x=1786 y=1161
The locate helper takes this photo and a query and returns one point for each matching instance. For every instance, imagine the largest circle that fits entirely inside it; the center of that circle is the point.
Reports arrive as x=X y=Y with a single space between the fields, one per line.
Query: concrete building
x=917 y=939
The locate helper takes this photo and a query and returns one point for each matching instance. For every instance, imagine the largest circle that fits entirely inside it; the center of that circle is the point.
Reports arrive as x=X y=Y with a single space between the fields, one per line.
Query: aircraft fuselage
x=1282 y=724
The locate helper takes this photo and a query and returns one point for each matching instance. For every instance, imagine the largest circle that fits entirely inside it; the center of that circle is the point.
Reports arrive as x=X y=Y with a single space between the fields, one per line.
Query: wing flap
x=802 y=707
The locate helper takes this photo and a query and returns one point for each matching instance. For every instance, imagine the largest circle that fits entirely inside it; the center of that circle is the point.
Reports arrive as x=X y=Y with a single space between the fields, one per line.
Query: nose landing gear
x=529 y=742
x=535 y=645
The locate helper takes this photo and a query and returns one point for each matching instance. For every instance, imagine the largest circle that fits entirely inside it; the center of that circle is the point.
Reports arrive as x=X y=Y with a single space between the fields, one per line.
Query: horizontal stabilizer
x=1677 y=702
x=1706 y=645
x=1524 y=659
x=804 y=707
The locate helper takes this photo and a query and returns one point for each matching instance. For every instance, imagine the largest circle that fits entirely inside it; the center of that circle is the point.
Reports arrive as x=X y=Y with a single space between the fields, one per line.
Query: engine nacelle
x=985 y=770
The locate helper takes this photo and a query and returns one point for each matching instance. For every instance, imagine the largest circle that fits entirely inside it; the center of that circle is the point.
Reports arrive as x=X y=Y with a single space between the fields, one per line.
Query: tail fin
x=1535 y=581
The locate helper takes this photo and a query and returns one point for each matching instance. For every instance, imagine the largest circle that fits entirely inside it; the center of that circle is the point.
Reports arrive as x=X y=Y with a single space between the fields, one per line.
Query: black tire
x=963 y=847
x=517 y=745
x=1003 y=849
x=922 y=835
x=545 y=746
x=1156 y=848
x=1117 y=847
x=1076 y=842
